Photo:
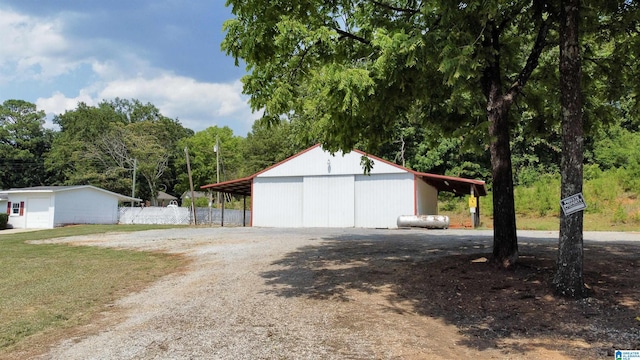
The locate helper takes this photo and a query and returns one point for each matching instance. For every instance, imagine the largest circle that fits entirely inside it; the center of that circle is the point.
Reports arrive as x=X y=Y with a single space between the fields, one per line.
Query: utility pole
x=193 y=198
x=216 y=149
x=133 y=187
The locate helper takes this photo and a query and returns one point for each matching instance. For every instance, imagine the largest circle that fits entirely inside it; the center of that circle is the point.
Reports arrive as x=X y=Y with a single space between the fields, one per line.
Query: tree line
x=102 y=145
x=97 y=145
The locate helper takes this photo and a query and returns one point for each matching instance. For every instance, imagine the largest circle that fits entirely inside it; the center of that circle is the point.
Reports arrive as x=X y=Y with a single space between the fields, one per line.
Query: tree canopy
x=23 y=143
x=202 y=156
x=103 y=144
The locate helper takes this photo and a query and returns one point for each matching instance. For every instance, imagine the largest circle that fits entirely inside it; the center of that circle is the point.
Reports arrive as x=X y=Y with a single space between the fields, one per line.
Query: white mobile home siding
x=85 y=206
x=277 y=202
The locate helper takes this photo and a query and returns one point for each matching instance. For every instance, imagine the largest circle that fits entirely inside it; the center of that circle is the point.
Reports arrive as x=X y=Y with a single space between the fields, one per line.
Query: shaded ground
x=511 y=310
x=362 y=294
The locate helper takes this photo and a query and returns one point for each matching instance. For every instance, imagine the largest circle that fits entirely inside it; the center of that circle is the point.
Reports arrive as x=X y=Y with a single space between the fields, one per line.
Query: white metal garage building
x=45 y=207
x=315 y=189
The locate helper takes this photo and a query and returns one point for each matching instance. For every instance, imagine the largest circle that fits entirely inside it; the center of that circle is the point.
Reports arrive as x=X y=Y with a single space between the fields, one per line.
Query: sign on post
x=573 y=204
x=473 y=202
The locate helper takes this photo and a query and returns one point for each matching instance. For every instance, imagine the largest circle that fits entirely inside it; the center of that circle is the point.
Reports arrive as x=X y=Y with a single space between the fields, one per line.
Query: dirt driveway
x=252 y=293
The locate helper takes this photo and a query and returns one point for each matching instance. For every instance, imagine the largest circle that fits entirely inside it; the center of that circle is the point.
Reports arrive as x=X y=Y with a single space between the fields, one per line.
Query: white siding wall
x=85 y=206
x=317 y=162
x=316 y=189
x=328 y=201
x=17 y=222
x=277 y=202
x=427 y=198
x=380 y=199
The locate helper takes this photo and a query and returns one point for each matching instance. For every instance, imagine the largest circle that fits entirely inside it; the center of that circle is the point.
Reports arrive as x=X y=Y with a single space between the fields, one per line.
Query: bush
x=592 y=171
x=541 y=198
x=4 y=219
x=620 y=215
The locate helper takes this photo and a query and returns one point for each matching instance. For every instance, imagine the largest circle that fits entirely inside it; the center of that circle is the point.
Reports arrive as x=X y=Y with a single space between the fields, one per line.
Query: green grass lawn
x=46 y=288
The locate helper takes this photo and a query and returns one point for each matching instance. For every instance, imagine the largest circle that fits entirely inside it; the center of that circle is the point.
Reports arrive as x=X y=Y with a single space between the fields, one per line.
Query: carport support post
x=244 y=210
x=222 y=215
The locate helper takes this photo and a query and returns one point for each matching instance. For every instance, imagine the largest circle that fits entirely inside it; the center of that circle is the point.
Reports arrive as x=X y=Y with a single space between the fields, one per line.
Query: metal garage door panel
x=380 y=199
x=277 y=202
x=38 y=214
x=328 y=201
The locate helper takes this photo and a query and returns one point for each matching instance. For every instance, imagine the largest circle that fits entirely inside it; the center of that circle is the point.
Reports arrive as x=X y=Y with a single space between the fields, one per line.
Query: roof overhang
x=456 y=185
x=54 y=189
x=236 y=187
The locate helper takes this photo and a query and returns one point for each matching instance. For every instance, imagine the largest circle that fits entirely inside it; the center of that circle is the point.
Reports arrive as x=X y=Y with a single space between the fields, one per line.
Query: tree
x=350 y=69
x=23 y=144
x=70 y=157
x=202 y=157
x=134 y=146
x=99 y=146
x=568 y=280
x=615 y=27
x=268 y=144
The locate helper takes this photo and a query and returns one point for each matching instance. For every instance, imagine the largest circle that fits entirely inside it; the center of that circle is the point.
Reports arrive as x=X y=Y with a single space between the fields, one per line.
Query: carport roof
x=456 y=185
x=238 y=186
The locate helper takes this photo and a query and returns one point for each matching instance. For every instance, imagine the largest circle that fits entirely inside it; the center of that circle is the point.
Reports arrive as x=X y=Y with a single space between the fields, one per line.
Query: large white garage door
x=37 y=213
x=328 y=201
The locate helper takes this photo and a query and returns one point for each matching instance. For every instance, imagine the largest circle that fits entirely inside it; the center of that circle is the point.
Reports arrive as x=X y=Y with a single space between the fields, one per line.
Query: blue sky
x=166 y=52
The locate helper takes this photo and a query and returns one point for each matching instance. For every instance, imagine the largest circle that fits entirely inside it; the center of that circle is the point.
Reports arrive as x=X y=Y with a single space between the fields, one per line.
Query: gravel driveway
x=255 y=293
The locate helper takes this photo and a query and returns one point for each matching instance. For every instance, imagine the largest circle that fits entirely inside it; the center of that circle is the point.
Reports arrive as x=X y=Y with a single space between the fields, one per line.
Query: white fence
x=182 y=216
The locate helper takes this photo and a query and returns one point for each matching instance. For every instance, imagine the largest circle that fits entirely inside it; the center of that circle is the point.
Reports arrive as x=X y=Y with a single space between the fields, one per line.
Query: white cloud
x=58 y=103
x=36 y=50
x=197 y=105
x=33 y=47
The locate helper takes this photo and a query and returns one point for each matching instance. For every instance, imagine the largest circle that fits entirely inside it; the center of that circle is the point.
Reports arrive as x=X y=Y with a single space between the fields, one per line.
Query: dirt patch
x=362 y=294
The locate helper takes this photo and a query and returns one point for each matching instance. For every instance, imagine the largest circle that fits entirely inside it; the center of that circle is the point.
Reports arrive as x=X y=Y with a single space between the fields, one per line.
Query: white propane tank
x=424 y=221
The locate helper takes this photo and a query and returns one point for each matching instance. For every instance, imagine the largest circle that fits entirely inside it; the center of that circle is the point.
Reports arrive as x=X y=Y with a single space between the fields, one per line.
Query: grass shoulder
x=48 y=289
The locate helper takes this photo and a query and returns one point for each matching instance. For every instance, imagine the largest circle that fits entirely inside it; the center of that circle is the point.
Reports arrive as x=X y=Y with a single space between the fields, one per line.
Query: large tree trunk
x=568 y=280
x=499 y=100
x=505 y=240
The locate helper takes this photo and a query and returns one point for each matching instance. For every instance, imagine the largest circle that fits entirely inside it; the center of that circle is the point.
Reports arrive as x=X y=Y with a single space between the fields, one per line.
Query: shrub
x=620 y=215
x=541 y=198
x=4 y=219
x=592 y=171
